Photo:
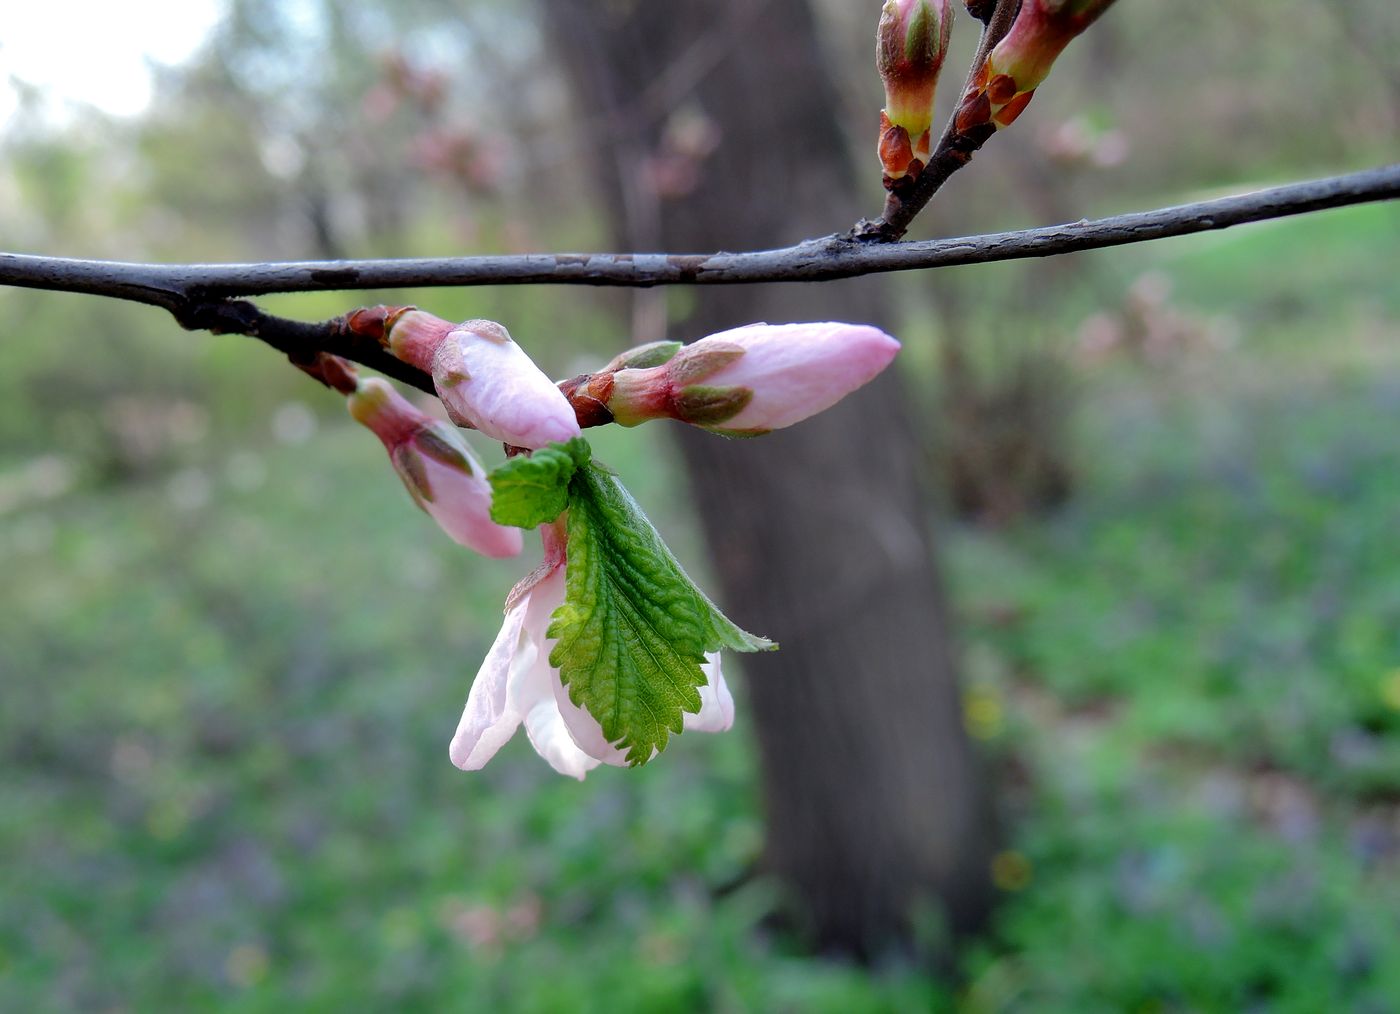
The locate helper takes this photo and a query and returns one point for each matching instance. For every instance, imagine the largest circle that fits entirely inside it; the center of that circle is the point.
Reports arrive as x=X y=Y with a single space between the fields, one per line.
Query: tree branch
x=193 y=291
x=301 y=341
x=203 y=296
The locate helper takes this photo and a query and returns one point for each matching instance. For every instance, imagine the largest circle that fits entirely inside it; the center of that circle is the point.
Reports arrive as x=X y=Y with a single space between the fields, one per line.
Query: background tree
x=875 y=809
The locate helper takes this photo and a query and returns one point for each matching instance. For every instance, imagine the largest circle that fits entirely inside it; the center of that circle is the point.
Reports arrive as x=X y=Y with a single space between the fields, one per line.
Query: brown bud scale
x=975 y=110
x=588 y=395
x=1007 y=114
x=1001 y=89
x=896 y=152
x=368 y=321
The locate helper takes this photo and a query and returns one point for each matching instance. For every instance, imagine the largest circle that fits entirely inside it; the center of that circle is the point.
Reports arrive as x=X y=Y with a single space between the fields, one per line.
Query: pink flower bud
x=755 y=378
x=910 y=45
x=485 y=380
x=436 y=467
x=1042 y=30
x=1022 y=61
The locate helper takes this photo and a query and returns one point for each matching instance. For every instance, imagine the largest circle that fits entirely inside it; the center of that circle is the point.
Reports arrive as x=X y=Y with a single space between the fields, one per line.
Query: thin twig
x=181 y=287
x=204 y=296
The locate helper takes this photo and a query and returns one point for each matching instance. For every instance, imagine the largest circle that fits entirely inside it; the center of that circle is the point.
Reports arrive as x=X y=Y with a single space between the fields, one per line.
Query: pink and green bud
x=752 y=379
x=910 y=45
x=436 y=467
x=1042 y=30
x=485 y=380
x=1022 y=61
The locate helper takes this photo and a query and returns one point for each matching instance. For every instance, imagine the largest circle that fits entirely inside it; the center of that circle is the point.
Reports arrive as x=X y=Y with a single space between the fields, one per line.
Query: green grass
x=1197 y=664
x=225 y=738
x=233 y=655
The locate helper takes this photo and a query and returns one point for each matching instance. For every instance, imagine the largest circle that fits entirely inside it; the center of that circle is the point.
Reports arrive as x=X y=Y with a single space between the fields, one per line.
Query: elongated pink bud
x=910 y=45
x=752 y=379
x=1042 y=30
x=485 y=380
x=436 y=467
x=1022 y=61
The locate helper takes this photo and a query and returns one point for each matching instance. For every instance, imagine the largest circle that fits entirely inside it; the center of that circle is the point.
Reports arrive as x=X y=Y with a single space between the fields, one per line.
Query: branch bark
x=205 y=296
x=178 y=287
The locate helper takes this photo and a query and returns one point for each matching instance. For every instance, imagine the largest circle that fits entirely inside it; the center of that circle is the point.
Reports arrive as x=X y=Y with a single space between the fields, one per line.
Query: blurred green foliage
x=234 y=680
x=233 y=653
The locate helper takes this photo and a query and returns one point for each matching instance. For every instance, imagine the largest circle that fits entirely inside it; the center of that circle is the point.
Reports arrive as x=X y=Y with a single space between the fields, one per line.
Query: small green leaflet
x=634 y=629
x=533 y=490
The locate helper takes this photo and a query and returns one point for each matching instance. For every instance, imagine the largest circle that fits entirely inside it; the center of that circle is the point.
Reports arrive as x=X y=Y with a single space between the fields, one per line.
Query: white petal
x=533 y=681
x=716 y=715
x=585 y=730
x=716 y=703
x=551 y=740
x=488 y=720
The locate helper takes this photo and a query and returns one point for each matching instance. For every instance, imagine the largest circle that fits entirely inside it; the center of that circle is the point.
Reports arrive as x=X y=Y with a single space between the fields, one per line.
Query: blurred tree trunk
x=876 y=812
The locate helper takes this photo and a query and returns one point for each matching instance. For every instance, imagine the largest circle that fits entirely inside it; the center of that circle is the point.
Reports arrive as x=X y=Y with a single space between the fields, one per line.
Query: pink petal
x=461 y=505
x=489 y=720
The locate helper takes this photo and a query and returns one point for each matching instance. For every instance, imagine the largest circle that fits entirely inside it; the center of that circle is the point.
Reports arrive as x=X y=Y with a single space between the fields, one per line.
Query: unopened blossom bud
x=751 y=379
x=485 y=380
x=1022 y=60
x=436 y=467
x=910 y=44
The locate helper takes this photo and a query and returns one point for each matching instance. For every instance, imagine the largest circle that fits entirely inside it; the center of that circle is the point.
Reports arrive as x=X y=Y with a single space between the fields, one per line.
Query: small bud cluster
x=1020 y=62
x=911 y=44
x=571 y=635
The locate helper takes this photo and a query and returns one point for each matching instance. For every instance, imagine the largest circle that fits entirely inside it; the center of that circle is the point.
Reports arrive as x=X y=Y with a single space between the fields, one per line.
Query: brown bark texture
x=878 y=818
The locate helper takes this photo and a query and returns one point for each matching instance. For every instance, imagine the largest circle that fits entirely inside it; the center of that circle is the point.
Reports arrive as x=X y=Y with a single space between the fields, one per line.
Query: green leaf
x=528 y=491
x=634 y=629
